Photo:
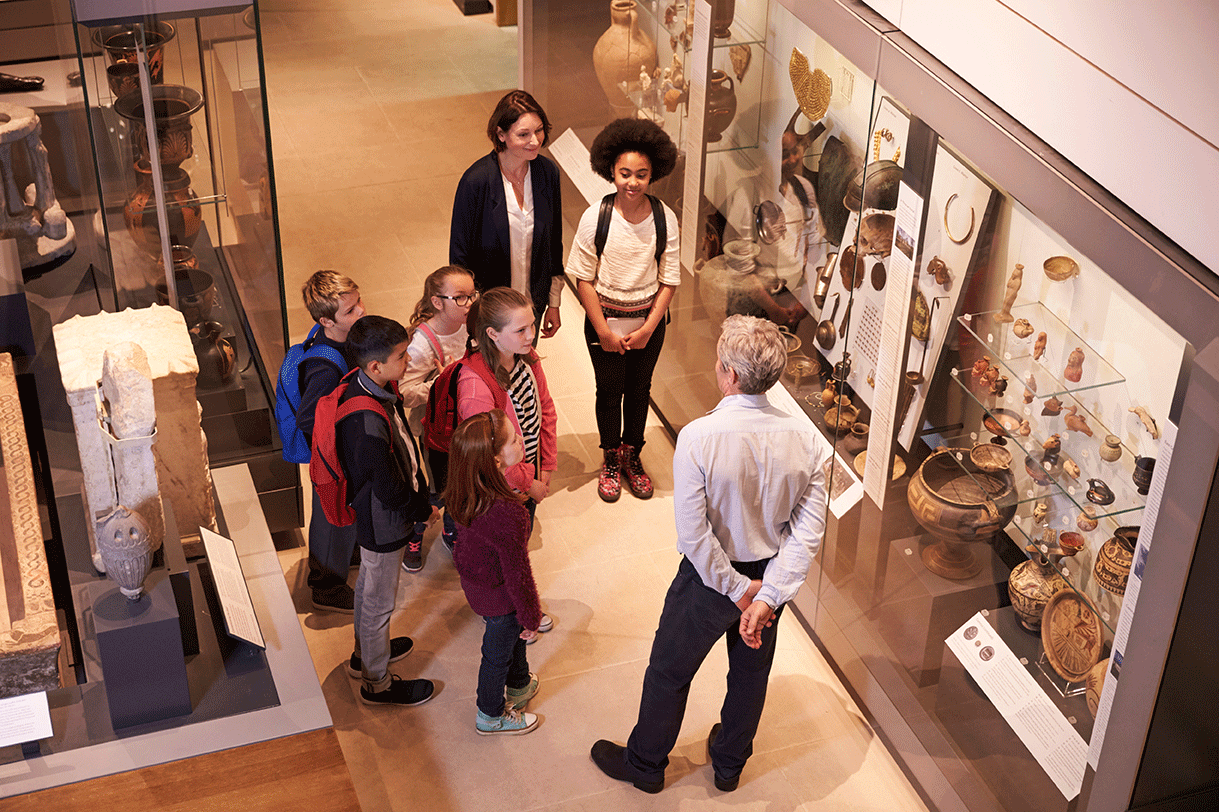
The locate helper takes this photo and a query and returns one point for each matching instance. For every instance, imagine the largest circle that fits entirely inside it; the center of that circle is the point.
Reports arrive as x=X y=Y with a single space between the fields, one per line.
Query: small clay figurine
x=991 y=375
x=999 y=386
x=1040 y=511
x=1004 y=316
x=1039 y=346
x=1022 y=328
x=1071 y=468
x=1053 y=445
x=1052 y=407
x=1087 y=519
x=981 y=365
x=1075 y=366
x=1024 y=429
x=1149 y=422
x=1076 y=422
x=1030 y=388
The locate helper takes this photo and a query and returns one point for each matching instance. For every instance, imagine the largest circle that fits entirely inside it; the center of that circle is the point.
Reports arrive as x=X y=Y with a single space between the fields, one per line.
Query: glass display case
x=179 y=171
x=1001 y=353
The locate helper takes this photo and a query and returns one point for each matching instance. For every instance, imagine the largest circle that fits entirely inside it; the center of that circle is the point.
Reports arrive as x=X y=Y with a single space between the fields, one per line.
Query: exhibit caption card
x=25 y=718
x=1041 y=727
x=231 y=590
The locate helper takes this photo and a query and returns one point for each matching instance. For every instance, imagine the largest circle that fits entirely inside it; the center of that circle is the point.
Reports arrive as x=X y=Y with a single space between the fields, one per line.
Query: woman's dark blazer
x=478 y=236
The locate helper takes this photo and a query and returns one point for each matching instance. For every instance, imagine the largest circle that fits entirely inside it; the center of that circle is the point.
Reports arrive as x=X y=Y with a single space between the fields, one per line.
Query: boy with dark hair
x=387 y=489
x=333 y=300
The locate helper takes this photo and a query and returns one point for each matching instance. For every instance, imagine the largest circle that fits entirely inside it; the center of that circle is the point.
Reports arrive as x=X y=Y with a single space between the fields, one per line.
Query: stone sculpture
x=30 y=213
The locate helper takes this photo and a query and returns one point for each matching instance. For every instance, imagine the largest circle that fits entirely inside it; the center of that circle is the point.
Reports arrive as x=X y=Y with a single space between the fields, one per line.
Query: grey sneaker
x=518 y=698
x=512 y=723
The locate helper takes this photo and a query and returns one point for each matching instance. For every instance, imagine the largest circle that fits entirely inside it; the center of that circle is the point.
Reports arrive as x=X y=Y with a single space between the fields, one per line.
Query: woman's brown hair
x=475 y=480
x=433 y=285
x=493 y=310
x=513 y=105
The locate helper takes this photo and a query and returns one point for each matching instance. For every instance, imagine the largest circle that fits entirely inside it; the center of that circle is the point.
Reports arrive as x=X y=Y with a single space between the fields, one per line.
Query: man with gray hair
x=750 y=502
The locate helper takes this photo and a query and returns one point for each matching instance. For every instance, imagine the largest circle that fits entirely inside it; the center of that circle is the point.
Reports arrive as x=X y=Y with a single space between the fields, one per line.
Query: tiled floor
x=376 y=108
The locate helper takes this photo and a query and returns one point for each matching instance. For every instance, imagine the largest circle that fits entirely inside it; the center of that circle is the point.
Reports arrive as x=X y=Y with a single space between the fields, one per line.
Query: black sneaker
x=399 y=647
x=448 y=540
x=400 y=692
x=341 y=599
x=412 y=557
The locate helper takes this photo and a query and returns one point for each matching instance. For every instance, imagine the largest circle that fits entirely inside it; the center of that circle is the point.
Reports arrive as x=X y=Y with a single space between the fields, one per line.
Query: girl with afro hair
x=626 y=293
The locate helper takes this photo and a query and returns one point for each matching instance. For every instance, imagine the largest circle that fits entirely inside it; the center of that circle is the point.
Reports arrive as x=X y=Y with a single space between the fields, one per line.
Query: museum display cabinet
x=1016 y=373
x=144 y=313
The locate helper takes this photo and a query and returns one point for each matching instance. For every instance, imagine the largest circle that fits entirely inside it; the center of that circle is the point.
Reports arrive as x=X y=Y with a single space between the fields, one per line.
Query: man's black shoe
x=611 y=759
x=341 y=599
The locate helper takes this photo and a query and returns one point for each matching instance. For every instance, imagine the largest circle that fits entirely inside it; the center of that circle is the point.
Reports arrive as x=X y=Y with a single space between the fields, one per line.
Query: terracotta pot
x=1112 y=568
x=722 y=12
x=172 y=107
x=182 y=210
x=1111 y=448
x=857 y=440
x=126 y=548
x=123 y=78
x=197 y=294
x=1031 y=585
x=959 y=504
x=119 y=42
x=215 y=353
x=621 y=52
x=721 y=104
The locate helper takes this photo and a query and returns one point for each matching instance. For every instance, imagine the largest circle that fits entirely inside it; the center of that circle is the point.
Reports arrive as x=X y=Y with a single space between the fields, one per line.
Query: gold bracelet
x=947 y=231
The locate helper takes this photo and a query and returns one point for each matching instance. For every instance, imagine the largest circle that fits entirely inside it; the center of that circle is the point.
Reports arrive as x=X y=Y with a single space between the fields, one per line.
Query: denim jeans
x=376 y=595
x=624 y=387
x=693 y=619
x=330 y=549
x=503 y=665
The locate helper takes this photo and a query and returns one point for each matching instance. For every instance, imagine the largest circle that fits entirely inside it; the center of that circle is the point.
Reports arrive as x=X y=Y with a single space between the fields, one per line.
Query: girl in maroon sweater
x=492 y=557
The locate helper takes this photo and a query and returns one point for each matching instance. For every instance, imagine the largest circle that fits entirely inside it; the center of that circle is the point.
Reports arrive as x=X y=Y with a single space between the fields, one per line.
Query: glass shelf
x=1076 y=447
x=1015 y=354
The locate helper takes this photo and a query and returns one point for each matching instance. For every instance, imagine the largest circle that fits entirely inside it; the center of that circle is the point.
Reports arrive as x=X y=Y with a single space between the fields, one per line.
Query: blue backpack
x=288 y=393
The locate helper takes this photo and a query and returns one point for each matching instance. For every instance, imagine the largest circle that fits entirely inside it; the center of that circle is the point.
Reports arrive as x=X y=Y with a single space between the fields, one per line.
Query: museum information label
x=1041 y=727
x=24 y=719
x=571 y=154
x=234 y=596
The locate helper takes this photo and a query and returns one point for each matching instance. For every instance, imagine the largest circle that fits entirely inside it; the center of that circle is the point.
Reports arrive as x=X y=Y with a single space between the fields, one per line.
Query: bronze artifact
x=959 y=504
x=939 y=269
x=851 y=268
x=1004 y=316
x=874 y=187
x=1039 y=346
x=1143 y=468
x=875 y=237
x=770 y=223
x=1051 y=407
x=1031 y=586
x=920 y=321
x=1099 y=492
x=1072 y=635
x=846 y=318
x=948 y=229
x=824 y=275
x=20 y=84
x=878 y=275
x=1076 y=422
x=1111 y=449
x=799 y=367
x=999 y=386
x=1075 y=366
x=825 y=334
x=1112 y=568
x=1022 y=328
x=1149 y=422
x=1087 y=519
x=1060 y=269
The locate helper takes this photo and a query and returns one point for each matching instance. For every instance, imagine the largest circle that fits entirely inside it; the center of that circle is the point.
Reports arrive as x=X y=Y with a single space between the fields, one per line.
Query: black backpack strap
x=603 y=222
x=662 y=228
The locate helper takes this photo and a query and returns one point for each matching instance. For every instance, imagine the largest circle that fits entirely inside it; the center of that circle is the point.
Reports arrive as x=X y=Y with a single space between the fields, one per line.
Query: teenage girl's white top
x=627 y=277
x=421 y=369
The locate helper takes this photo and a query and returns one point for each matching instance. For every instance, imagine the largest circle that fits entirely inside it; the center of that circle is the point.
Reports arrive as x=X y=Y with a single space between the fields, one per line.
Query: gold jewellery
x=948 y=230
x=887 y=135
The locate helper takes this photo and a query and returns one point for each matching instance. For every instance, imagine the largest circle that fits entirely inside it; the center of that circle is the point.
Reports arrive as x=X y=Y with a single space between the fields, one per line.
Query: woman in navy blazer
x=484 y=219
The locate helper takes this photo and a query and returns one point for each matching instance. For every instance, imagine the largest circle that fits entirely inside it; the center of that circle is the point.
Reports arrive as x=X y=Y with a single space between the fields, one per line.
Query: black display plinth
x=139 y=644
x=469 y=7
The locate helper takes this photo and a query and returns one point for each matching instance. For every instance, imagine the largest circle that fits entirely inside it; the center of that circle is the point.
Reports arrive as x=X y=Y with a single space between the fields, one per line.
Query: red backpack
x=325 y=469
x=440 y=416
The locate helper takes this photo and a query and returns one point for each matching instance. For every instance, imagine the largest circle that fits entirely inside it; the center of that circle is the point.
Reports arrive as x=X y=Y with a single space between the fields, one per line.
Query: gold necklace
x=948 y=231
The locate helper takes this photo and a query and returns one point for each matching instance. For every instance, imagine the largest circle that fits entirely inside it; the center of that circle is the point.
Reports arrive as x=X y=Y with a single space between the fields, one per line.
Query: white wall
x=1125 y=90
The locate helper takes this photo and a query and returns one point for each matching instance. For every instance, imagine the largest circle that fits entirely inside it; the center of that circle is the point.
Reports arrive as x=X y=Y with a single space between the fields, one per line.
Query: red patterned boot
x=609 y=485
x=632 y=471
